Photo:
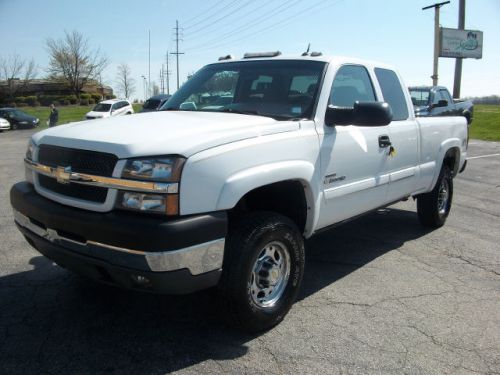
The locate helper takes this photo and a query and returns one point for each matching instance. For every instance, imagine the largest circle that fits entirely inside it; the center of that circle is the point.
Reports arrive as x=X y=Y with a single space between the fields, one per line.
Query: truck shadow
x=53 y=322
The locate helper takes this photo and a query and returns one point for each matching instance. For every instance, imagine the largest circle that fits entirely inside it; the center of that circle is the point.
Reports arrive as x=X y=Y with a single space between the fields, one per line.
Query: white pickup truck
x=200 y=195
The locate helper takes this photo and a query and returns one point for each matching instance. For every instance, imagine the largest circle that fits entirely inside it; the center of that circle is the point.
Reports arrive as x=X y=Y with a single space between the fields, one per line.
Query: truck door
x=402 y=163
x=352 y=162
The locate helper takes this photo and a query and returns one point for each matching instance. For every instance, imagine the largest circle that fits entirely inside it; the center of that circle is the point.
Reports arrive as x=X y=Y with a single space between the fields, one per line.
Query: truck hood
x=159 y=133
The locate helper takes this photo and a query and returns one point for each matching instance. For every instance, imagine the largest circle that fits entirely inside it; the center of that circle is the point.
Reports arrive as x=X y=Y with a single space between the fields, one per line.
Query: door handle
x=384 y=141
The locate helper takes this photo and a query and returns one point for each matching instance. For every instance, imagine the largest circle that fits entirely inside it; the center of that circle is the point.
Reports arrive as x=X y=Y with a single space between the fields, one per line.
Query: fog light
x=144 y=202
x=156 y=203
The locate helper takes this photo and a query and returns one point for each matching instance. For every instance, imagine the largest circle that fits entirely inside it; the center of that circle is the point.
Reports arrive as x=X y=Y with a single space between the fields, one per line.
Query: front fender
x=242 y=182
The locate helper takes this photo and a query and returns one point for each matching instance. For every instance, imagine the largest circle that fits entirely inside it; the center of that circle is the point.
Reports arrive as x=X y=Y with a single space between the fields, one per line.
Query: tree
x=73 y=61
x=126 y=84
x=17 y=72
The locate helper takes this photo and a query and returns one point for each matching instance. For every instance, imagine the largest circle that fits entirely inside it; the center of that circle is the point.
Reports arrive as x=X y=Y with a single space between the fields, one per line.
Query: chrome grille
x=82 y=161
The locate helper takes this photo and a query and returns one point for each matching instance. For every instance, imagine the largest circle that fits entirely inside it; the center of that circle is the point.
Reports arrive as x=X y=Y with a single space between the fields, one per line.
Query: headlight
x=30 y=150
x=161 y=169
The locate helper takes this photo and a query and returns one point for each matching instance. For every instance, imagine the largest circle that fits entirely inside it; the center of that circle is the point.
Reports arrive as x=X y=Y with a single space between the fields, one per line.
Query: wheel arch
x=283 y=187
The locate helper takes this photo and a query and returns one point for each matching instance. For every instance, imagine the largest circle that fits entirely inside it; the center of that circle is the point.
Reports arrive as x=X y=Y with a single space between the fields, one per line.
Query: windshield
x=18 y=113
x=101 y=107
x=282 y=89
x=151 y=104
x=419 y=97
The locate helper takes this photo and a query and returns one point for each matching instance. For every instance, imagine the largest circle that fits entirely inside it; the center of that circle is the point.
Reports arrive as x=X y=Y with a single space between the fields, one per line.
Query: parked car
x=184 y=200
x=155 y=102
x=18 y=119
x=110 y=108
x=437 y=101
x=4 y=124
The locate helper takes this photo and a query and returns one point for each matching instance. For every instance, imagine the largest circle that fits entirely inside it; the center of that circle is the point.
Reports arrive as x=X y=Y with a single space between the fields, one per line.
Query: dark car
x=437 y=101
x=18 y=119
x=155 y=102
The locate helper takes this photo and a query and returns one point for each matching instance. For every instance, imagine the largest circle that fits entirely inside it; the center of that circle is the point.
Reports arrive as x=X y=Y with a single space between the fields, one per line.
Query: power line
x=202 y=13
x=223 y=17
x=248 y=25
x=278 y=24
x=212 y=14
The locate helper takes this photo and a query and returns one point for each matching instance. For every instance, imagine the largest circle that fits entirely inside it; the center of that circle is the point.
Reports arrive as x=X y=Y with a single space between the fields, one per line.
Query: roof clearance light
x=254 y=55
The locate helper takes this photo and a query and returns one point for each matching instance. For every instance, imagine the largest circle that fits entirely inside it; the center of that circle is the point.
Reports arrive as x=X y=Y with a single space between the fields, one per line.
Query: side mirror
x=361 y=114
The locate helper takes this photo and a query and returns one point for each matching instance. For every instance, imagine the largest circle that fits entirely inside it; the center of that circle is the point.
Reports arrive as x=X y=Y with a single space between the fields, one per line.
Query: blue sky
x=392 y=31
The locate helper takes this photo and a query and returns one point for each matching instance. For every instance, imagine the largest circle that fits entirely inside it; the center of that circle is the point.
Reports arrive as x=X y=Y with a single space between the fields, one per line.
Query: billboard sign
x=461 y=43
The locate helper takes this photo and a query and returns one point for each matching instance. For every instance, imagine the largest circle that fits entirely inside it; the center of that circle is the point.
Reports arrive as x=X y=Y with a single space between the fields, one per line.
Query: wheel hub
x=270 y=274
x=443 y=196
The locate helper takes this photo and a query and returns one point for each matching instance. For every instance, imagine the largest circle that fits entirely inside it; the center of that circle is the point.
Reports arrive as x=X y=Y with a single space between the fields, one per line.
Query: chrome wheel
x=443 y=197
x=270 y=274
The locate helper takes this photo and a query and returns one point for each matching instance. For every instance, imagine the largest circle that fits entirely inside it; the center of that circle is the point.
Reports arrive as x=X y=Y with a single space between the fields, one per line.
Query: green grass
x=70 y=113
x=486 y=124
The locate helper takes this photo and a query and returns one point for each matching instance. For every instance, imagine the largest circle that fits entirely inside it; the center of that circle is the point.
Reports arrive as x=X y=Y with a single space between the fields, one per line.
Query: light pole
x=144 y=86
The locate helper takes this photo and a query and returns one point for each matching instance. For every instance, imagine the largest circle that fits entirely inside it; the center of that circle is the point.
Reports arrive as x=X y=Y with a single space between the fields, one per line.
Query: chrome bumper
x=197 y=259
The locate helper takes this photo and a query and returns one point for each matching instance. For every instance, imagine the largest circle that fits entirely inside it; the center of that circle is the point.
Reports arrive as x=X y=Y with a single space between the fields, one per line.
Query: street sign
x=461 y=43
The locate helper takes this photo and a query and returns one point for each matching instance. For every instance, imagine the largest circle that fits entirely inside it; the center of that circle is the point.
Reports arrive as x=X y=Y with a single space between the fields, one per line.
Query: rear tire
x=262 y=271
x=14 y=127
x=434 y=207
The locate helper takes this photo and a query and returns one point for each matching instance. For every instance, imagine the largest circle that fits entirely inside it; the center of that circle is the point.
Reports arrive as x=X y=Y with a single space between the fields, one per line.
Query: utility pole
x=436 y=39
x=177 y=53
x=149 y=72
x=162 y=84
x=167 y=73
x=459 y=60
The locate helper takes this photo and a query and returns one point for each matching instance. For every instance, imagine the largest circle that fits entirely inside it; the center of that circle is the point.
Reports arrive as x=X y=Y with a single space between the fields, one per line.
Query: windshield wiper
x=241 y=111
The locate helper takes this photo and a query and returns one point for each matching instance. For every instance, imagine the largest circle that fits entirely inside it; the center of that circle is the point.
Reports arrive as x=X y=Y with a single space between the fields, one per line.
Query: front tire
x=434 y=207
x=262 y=271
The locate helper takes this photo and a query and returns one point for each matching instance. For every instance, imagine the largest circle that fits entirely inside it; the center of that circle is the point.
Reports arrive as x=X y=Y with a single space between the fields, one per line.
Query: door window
x=352 y=83
x=446 y=96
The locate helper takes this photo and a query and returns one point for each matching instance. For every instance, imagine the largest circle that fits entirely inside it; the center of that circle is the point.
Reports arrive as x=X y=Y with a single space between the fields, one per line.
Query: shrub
x=31 y=99
x=72 y=99
x=91 y=101
x=21 y=104
x=110 y=96
x=47 y=100
x=36 y=103
x=84 y=102
x=11 y=104
x=96 y=97
x=20 y=99
x=85 y=96
x=65 y=102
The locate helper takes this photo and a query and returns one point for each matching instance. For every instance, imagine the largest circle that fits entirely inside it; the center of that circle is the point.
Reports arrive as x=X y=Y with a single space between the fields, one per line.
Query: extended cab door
x=352 y=161
x=402 y=163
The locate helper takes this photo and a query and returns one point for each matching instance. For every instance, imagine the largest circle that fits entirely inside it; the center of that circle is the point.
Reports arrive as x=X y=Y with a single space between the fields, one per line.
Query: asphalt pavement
x=381 y=295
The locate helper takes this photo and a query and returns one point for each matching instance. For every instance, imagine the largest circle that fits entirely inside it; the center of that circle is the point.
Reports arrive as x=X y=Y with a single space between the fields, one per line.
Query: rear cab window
x=393 y=93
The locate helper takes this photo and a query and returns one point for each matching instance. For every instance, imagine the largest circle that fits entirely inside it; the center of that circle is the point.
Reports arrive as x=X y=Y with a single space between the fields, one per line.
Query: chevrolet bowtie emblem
x=63 y=174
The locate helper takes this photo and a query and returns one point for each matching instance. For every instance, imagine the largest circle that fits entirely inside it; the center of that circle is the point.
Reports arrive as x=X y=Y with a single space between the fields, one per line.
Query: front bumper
x=129 y=250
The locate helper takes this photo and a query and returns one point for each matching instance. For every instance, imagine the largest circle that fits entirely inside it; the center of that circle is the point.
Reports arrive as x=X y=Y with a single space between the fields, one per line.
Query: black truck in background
x=437 y=101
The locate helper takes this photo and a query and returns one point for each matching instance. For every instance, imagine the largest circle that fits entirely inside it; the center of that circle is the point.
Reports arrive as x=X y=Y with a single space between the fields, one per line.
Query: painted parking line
x=482 y=156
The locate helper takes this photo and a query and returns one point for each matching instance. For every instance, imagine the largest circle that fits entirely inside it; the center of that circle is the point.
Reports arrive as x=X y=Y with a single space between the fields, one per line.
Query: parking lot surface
x=381 y=295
